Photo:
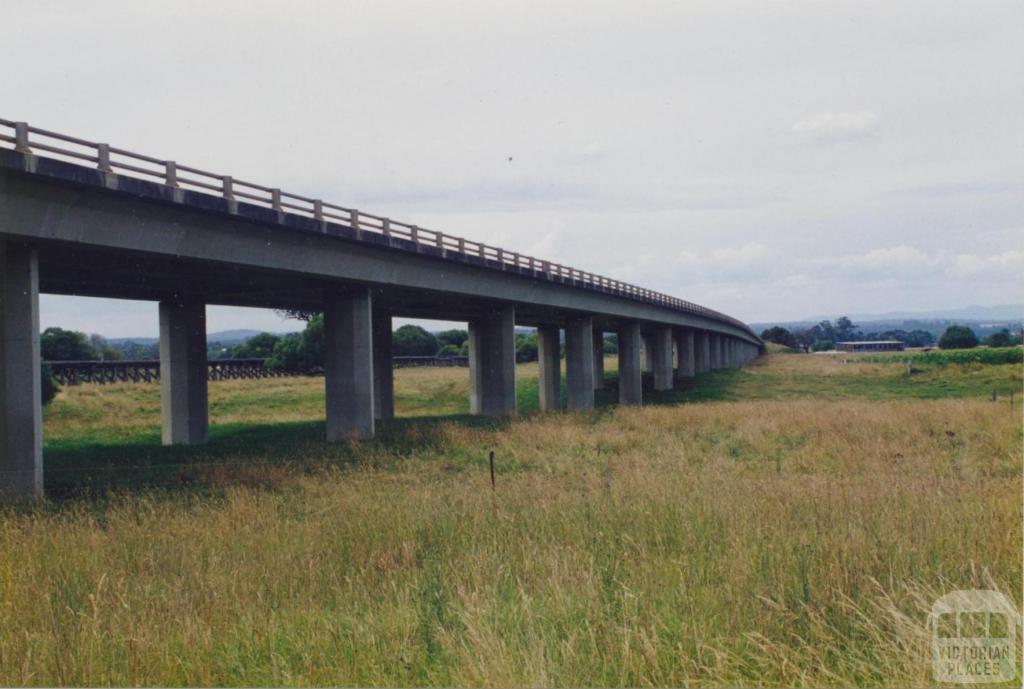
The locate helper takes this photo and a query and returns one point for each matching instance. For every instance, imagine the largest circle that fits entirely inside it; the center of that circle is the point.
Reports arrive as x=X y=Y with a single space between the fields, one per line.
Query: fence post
x=170 y=173
x=21 y=137
x=103 y=157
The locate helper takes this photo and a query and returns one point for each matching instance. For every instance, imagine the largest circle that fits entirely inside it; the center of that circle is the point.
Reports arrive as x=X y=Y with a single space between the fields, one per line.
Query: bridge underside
x=72 y=233
x=77 y=270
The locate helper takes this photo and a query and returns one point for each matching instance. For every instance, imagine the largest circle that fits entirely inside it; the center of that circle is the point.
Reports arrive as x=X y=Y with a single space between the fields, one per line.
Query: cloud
x=1009 y=264
x=837 y=127
x=904 y=260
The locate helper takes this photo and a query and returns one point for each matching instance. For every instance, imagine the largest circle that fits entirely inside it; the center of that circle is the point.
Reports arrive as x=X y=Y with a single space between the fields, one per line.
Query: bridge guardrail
x=109 y=158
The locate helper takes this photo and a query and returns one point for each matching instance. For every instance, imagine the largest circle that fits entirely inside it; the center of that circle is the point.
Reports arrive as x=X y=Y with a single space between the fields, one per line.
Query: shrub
x=449 y=350
x=256 y=347
x=781 y=336
x=50 y=385
x=823 y=345
x=958 y=337
x=1000 y=339
x=1002 y=355
x=452 y=337
x=526 y=348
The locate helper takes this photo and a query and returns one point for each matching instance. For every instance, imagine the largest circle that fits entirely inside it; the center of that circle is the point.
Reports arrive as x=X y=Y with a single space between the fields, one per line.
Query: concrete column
x=716 y=351
x=383 y=371
x=631 y=390
x=21 y=407
x=685 y=366
x=702 y=352
x=348 y=365
x=645 y=353
x=598 y=359
x=550 y=361
x=723 y=348
x=661 y=357
x=579 y=362
x=183 y=400
x=734 y=355
x=492 y=363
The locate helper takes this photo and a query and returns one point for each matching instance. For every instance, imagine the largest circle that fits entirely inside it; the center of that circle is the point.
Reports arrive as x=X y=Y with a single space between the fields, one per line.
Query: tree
x=289 y=355
x=610 y=344
x=780 y=335
x=1000 y=339
x=412 y=340
x=526 y=348
x=104 y=349
x=958 y=337
x=297 y=314
x=844 y=329
x=256 y=347
x=448 y=350
x=300 y=351
x=452 y=337
x=57 y=344
x=822 y=345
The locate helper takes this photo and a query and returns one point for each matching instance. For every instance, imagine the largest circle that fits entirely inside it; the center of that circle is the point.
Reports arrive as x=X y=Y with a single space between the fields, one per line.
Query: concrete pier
x=702 y=351
x=716 y=351
x=598 y=359
x=21 y=409
x=348 y=365
x=685 y=364
x=579 y=363
x=549 y=360
x=631 y=389
x=183 y=399
x=383 y=371
x=492 y=363
x=661 y=357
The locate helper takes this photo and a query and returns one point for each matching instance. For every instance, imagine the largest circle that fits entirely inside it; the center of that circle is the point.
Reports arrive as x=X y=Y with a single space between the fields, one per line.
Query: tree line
x=824 y=335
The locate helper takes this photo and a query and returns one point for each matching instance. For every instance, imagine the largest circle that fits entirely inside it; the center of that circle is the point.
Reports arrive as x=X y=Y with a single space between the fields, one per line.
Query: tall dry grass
x=778 y=543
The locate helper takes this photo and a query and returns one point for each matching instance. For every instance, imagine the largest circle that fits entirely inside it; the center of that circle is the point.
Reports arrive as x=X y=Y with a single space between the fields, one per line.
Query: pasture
x=786 y=524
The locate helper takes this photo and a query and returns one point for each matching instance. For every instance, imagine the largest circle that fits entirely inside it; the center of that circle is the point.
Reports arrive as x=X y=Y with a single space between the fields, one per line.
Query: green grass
x=789 y=524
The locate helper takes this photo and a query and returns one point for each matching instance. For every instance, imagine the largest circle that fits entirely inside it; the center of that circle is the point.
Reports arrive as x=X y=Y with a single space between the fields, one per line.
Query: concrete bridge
x=85 y=218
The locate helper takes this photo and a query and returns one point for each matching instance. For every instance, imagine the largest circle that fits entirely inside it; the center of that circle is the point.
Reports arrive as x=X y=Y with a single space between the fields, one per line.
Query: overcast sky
x=770 y=160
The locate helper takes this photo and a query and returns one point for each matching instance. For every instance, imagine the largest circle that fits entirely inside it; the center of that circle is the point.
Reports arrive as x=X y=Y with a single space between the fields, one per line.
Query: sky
x=769 y=160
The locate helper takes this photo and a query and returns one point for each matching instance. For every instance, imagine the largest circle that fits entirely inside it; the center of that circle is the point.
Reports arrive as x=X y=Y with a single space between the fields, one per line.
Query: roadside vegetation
x=786 y=524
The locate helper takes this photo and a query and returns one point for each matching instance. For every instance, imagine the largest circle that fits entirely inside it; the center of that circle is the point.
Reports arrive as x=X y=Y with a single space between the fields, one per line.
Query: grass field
x=786 y=524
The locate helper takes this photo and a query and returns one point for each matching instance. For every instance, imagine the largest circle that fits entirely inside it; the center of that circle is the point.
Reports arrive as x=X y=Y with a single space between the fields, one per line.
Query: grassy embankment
x=791 y=529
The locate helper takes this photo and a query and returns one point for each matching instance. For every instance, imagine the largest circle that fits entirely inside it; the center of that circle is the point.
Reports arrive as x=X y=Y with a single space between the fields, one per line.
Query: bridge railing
x=107 y=158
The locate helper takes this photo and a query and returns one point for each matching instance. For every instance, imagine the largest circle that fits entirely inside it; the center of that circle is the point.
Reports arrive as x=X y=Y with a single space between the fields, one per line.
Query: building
x=870 y=346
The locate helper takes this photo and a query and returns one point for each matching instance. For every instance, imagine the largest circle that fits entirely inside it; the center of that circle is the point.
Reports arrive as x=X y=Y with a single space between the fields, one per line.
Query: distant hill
x=223 y=336
x=984 y=320
x=1001 y=312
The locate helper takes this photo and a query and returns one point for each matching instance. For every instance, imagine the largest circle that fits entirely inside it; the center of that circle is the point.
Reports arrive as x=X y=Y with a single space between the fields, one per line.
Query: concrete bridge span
x=83 y=218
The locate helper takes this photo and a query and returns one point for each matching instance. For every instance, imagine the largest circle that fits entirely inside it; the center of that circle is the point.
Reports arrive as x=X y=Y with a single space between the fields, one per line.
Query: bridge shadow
x=235 y=455
x=261 y=453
